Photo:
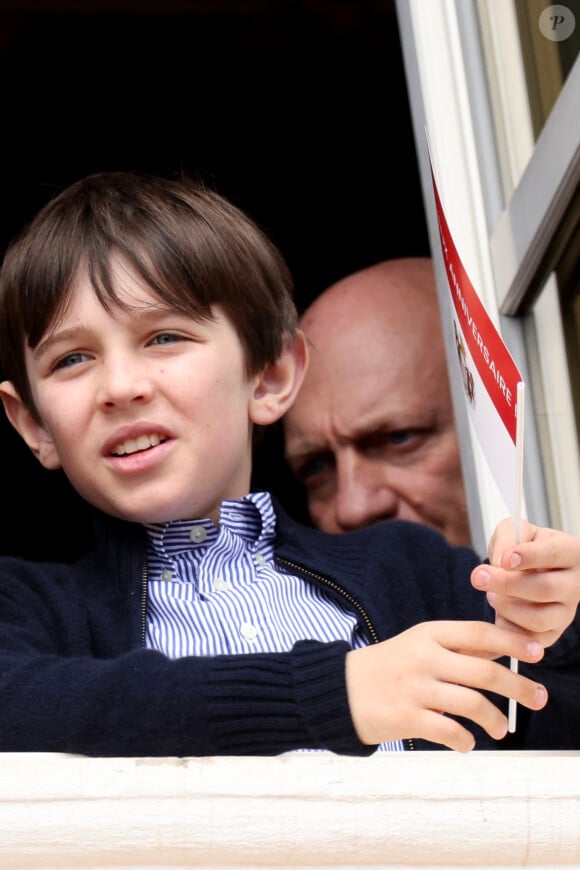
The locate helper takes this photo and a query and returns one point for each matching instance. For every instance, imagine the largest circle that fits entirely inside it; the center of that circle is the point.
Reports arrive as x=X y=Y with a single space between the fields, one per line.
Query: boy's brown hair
x=191 y=246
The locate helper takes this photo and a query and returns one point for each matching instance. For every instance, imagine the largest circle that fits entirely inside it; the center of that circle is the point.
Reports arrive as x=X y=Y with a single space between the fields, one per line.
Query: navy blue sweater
x=75 y=675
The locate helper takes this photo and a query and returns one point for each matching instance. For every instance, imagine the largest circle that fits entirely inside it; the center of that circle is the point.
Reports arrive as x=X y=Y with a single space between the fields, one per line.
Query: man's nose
x=363 y=494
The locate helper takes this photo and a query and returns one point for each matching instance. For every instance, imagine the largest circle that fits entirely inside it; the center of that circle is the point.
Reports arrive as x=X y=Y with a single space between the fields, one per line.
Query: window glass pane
x=550 y=42
x=569 y=293
x=552 y=330
x=530 y=50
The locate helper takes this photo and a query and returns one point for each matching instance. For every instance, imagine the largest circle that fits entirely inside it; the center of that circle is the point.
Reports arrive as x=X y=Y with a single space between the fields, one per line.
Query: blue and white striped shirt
x=216 y=590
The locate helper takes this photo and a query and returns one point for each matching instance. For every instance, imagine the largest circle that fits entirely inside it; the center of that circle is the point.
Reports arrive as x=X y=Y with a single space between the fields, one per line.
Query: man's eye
x=312 y=469
x=390 y=438
x=400 y=437
x=71 y=359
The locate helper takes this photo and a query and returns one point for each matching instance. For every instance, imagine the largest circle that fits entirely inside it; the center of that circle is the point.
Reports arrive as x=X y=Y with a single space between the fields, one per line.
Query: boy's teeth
x=133 y=445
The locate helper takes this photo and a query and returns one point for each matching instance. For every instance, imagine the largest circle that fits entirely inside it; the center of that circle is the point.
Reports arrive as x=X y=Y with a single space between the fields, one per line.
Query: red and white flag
x=493 y=384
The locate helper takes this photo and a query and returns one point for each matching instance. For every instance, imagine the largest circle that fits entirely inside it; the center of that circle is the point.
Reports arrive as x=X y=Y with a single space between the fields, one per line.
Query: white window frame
x=476 y=172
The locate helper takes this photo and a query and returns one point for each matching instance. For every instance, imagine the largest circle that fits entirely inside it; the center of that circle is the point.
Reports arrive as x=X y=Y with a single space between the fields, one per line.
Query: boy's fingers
x=534 y=588
x=504 y=539
x=486 y=640
x=537 y=621
x=468 y=703
x=474 y=675
x=539 y=549
x=549 y=552
x=434 y=726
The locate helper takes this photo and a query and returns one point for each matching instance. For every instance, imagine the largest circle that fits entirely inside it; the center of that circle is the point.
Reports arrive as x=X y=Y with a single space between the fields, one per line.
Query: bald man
x=371 y=434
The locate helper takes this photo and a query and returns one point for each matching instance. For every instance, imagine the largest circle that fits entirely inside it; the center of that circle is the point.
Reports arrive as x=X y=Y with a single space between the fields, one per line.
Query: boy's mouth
x=135 y=445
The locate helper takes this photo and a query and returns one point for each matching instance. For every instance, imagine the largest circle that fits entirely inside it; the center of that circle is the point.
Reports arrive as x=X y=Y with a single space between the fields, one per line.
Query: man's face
x=146 y=410
x=371 y=434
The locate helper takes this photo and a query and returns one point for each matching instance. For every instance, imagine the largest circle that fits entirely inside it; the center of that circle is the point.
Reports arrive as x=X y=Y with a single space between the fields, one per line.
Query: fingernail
x=540 y=696
x=482 y=579
x=515 y=560
x=534 y=649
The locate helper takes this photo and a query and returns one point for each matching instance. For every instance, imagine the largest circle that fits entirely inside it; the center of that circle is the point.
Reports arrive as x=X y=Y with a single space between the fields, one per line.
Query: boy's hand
x=533 y=586
x=402 y=687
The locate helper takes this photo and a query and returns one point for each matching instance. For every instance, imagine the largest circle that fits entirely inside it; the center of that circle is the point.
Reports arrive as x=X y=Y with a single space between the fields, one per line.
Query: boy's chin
x=145 y=514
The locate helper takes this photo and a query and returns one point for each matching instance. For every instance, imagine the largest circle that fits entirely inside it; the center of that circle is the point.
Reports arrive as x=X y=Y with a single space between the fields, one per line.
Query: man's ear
x=34 y=433
x=277 y=385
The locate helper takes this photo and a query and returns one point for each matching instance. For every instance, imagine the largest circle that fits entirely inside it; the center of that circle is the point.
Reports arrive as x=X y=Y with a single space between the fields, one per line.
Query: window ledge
x=423 y=809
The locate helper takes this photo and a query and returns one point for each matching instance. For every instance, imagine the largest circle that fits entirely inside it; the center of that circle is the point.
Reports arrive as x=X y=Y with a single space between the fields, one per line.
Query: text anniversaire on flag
x=478 y=341
x=495 y=365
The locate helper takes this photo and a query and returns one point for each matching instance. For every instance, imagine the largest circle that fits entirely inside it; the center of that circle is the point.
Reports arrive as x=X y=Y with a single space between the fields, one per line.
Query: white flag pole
x=517 y=516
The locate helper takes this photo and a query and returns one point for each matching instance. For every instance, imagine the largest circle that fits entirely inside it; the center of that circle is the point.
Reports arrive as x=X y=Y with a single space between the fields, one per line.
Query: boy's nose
x=124 y=383
x=363 y=495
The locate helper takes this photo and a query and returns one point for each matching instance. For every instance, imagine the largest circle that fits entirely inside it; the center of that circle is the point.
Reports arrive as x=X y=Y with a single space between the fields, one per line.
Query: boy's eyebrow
x=141 y=312
x=46 y=343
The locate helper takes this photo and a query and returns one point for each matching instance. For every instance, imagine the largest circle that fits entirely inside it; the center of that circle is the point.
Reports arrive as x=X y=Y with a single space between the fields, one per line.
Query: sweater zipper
x=295 y=568
x=305 y=572
x=144 y=578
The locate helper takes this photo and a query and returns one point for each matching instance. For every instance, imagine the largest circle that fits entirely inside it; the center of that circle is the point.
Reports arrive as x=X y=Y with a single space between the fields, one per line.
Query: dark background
x=296 y=111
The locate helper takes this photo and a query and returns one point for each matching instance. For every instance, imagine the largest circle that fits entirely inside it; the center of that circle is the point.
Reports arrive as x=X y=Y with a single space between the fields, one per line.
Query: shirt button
x=220 y=585
x=260 y=559
x=198 y=534
x=167 y=575
x=248 y=631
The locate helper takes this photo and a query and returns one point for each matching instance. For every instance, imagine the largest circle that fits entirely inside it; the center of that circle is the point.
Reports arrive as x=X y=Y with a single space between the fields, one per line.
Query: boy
x=146 y=328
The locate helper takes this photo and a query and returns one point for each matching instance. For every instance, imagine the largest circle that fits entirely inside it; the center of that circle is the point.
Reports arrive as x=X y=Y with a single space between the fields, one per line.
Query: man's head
x=371 y=433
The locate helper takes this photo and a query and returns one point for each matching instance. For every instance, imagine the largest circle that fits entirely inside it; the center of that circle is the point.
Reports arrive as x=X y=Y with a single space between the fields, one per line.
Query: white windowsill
x=423 y=809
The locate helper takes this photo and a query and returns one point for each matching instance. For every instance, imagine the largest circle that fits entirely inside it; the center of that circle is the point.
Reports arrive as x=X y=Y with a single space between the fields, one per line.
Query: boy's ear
x=276 y=386
x=34 y=433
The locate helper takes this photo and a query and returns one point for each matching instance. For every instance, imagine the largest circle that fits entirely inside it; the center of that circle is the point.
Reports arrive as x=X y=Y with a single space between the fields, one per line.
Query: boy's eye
x=167 y=338
x=71 y=359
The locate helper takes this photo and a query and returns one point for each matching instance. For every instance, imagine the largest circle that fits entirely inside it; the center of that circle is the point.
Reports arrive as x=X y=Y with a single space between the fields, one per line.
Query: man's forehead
x=363 y=401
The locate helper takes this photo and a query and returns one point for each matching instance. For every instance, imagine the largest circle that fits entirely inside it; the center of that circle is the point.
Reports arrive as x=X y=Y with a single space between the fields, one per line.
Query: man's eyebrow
x=306 y=451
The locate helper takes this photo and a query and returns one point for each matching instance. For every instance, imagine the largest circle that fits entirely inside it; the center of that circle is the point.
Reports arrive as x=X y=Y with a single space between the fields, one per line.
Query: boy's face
x=148 y=411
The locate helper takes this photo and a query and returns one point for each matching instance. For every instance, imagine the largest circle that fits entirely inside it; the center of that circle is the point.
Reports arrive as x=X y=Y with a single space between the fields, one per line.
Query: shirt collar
x=251 y=518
